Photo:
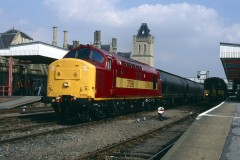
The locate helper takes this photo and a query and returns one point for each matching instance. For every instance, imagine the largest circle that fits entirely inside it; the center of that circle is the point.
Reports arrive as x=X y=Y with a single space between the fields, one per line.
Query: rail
x=3 y=90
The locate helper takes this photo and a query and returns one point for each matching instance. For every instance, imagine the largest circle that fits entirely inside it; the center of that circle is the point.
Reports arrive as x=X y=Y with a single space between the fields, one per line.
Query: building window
x=145 y=49
x=139 y=48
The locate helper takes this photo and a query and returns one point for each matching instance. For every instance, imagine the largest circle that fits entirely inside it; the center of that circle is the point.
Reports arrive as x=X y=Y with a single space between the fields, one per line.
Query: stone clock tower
x=143 y=44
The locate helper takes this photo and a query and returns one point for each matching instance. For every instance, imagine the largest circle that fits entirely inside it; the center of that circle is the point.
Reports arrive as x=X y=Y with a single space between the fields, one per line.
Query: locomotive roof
x=122 y=59
x=128 y=60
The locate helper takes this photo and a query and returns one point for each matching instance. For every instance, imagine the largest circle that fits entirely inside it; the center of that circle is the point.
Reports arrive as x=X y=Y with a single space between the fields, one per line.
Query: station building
x=24 y=62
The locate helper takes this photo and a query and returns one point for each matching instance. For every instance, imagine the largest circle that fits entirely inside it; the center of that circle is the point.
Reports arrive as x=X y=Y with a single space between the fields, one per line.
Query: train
x=215 y=88
x=89 y=82
x=176 y=88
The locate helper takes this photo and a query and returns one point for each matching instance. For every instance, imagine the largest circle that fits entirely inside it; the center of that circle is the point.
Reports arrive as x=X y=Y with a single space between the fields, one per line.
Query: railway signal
x=160 y=113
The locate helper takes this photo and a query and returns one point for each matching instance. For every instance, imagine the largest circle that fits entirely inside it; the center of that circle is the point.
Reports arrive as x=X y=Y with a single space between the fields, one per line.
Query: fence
x=3 y=90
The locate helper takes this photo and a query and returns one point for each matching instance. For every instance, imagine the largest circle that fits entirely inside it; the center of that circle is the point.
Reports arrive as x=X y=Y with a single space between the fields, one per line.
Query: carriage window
x=109 y=64
x=96 y=56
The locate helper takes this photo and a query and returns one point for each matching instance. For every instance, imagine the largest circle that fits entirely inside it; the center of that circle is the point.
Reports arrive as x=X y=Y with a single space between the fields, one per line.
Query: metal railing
x=3 y=90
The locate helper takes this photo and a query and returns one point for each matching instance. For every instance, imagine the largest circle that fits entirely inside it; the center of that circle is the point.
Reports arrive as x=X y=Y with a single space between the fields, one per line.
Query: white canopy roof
x=34 y=51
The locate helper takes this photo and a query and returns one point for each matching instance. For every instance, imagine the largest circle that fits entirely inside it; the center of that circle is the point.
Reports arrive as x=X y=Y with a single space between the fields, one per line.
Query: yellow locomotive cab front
x=71 y=77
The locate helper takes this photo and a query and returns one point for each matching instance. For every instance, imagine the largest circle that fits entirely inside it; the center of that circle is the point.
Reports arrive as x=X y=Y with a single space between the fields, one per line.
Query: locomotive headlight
x=50 y=87
x=58 y=99
x=206 y=94
x=65 y=84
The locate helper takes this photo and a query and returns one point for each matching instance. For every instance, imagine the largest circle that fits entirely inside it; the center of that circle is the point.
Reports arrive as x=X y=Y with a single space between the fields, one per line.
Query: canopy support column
x=10 y=78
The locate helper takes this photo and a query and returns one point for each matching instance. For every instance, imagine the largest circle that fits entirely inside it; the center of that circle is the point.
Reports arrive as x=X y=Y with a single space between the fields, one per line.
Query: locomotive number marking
x=133 y=84
x=130 y=83
x=148 y=85
x=83 y=95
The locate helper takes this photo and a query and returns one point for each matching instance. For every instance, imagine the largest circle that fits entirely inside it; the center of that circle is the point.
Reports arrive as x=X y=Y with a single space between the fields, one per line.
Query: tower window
x=139 y=48
x=145 y=48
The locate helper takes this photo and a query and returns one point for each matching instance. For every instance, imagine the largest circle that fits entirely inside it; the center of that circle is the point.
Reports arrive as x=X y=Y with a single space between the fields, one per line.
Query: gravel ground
x=70 y=144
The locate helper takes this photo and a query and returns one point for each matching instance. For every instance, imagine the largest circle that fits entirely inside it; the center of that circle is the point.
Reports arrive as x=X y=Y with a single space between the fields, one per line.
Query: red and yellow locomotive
x=89 y=81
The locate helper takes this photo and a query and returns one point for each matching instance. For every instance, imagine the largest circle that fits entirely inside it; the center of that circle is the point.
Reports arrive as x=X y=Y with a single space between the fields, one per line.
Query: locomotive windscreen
x=82 y=53
x=85 y=54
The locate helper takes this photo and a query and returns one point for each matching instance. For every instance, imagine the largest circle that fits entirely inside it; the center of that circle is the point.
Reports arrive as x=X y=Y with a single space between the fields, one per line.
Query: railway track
x=74 y=141
x=18 y=127
x=150 y=145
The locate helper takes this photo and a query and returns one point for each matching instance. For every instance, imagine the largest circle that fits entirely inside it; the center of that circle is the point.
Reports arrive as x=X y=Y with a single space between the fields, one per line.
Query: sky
x=187 y=34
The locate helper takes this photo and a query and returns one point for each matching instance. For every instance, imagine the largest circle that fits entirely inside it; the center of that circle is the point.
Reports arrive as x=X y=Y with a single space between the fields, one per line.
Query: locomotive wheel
x=84 y=115
x=96 y=112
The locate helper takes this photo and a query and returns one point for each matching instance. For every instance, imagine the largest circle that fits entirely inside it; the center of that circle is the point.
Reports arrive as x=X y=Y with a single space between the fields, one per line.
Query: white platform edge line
x=212 y=115
x=204 y=113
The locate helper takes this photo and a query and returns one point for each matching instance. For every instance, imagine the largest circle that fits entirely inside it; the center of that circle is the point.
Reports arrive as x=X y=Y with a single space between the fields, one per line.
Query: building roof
x=230 y=57
x=105 y=47
x=34 y=52
x=124 y=54
x=143 y=31
x=7 y=37
x=15 y=31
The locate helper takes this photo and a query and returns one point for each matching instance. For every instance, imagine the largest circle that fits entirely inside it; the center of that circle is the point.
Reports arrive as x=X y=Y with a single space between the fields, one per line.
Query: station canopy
x=34 y=52
x=230 y=57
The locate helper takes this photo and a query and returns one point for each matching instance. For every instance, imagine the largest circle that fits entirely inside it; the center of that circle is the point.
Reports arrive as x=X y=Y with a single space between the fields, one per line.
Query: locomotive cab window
x=96 y=56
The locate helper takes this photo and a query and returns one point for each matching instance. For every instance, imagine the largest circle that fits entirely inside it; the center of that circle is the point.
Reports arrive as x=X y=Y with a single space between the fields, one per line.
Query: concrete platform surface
x=214 y=135
x=18 y=101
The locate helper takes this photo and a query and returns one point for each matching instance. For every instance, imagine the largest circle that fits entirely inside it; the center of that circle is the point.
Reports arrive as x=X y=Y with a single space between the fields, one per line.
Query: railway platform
x=214 y=135
x=14 y=101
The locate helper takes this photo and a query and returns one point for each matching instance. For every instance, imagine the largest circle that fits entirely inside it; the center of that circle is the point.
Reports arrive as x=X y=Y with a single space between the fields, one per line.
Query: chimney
x=65 y=39
x=54 y=42
x=114 y=45
x=75 y=44
x=97 y=39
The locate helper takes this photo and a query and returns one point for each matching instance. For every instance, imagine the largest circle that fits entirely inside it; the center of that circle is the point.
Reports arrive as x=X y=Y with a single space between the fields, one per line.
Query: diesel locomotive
x=88 y=82
x=215 y=89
